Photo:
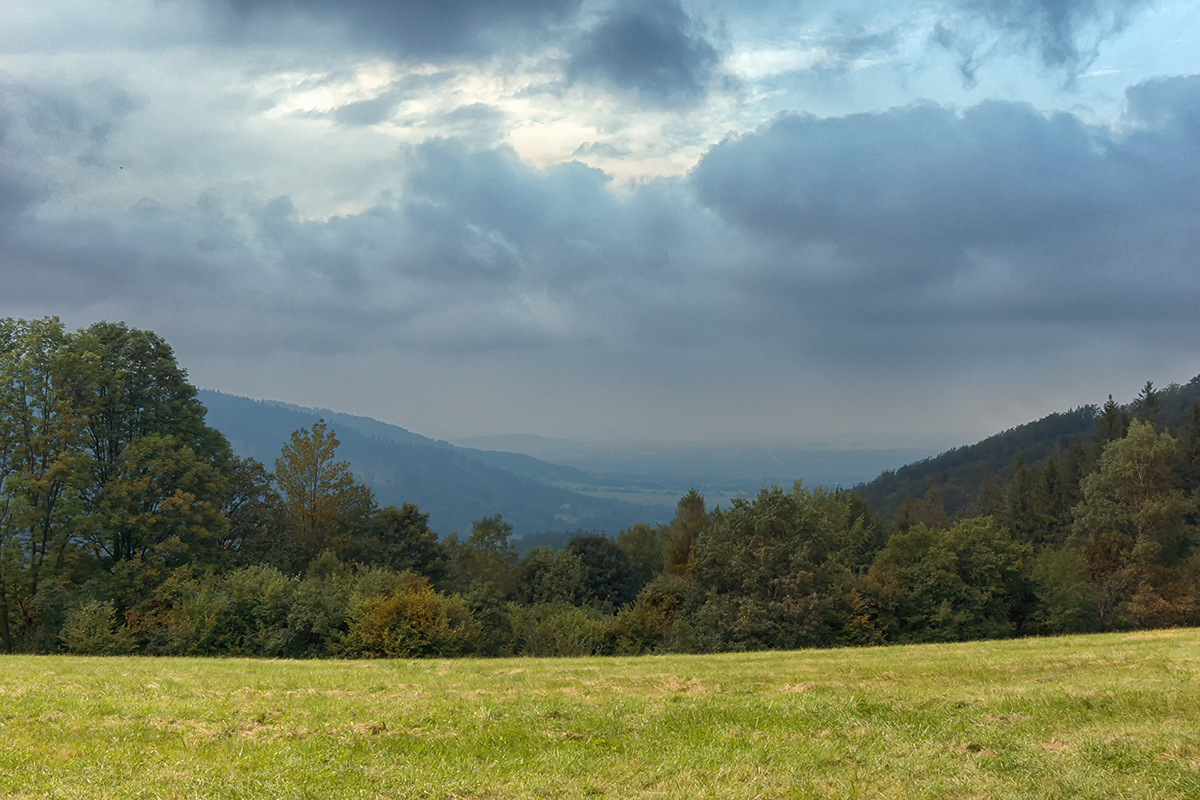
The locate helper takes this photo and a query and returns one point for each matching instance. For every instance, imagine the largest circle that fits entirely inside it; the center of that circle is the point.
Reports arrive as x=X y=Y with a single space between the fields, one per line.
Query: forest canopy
x=127 y=525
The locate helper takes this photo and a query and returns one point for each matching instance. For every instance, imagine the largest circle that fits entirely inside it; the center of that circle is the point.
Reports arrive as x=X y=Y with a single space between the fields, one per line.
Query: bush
x=560 y=629
x=410 y=621
x=91 y=629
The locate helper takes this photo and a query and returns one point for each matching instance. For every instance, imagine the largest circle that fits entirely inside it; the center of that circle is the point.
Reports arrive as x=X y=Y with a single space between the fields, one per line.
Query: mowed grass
x=1091 y=716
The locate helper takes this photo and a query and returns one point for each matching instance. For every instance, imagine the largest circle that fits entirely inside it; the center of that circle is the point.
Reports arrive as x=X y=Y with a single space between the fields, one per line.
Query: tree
x=1020 y=514
x=1111 y=425
x=400 y=539
x=1148 y=404
x=321 y=498
x=1049 y=506
x=1189 y=451
x=165 y=507
x=608 y=580
x=960 y=583
x=254 y=511
x=763 y=571
x=690 y=521
x=486 y=557
x=1133 y=519
x=41 y=462
x=546 y=576
x=929 y=511
x=156 y=471
x=643 y=547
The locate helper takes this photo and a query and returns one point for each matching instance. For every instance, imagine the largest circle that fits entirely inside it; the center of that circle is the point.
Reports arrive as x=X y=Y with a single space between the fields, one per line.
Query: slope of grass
x=1092 y=716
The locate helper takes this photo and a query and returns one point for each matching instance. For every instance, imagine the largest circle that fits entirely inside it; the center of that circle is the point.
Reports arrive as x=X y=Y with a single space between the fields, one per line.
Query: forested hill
x=961 y=473
x=524 y=465
x=455 y=486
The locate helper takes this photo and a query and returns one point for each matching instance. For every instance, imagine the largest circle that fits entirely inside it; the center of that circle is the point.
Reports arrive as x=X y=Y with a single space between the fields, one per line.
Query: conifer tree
x=1111 y=425
x=1049 y=508
x=1020 y=513
x=1148 y=405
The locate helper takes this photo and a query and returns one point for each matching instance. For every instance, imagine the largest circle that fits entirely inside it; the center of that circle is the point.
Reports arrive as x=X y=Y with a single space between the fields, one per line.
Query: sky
x=825 y=223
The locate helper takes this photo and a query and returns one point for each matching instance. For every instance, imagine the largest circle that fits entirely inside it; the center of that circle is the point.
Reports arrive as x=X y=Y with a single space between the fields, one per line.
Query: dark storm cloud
x=918 y=217
x=481 y=254
x=423 y=28
x=1064 y=34
x=78 y=120
x=653 y=48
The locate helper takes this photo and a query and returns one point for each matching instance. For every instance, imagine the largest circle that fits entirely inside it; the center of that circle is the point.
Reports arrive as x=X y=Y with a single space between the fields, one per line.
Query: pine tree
x=1148 y=405
x=1021 y=517
x=1049 y=509
x=1111 y=425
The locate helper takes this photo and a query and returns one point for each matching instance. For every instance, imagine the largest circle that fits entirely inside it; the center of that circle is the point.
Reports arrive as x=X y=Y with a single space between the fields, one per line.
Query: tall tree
x=320 y=494
x=1049 y=505
x=1148 y=404
x=1133 y=518
x=763 y=571
x=1020 y=514
x=608 y=580
x=643 y=547
x=1111 y=424
x=1189 y=451
x=42 y=437
x=400 y=539
x=255 y=514
x=144 y=427
x=691 y=520
x=487 y=557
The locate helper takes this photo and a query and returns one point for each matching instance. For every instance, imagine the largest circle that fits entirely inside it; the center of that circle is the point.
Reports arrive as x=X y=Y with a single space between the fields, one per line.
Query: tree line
x=128 y=526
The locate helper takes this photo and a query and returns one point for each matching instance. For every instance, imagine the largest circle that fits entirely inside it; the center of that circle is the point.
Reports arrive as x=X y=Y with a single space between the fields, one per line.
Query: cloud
x=653 y=48
x=1166 y=104
x=1064 y=34
x=920 y=220
x=413 y=29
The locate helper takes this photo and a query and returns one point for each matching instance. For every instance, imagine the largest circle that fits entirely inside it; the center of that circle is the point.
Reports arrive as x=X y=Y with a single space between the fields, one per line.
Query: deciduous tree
x=320 y=494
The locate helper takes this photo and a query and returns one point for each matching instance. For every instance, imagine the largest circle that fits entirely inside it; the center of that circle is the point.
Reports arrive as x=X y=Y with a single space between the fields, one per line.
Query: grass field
x=1091 y=716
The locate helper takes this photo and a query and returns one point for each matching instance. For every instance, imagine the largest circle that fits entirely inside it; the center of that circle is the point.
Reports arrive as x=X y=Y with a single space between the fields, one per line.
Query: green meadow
x=1114 y=715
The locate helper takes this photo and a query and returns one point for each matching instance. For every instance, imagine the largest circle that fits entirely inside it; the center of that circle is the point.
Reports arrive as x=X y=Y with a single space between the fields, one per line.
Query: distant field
x=1091 y=716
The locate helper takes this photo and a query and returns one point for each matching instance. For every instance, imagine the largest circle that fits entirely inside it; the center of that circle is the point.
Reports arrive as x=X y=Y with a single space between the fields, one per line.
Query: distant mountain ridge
x=961 y=472
x=455 y=486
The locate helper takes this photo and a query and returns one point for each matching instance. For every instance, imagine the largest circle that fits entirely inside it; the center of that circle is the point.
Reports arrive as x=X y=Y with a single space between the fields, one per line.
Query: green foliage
x=644 y=547
x=962 y=583
x=652 y=623
x=559 y=629
x=411 y=620
x=1064 y=594
x=322 y=500
x=690 y=522
x=764 y=570
x=1133 y=519
x=606 y=579
x=255 y=516
x=486 y=557
x=962 y=472
x=1148 y=405
x=400 y=539
x=126 y=525
x=92 y=629
x=546 y=576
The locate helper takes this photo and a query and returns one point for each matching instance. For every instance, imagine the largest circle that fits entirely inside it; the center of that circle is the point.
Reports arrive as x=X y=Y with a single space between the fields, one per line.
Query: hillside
x=455 y=486
x=961 y=472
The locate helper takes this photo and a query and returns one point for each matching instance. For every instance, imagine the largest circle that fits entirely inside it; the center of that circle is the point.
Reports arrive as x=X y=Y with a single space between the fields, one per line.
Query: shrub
x=91 y=629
